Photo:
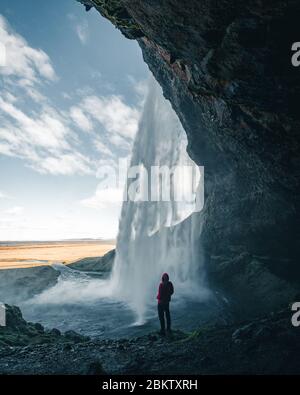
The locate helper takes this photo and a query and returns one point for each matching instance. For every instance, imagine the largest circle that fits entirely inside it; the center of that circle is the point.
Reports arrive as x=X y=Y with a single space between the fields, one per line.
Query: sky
x=72 y=91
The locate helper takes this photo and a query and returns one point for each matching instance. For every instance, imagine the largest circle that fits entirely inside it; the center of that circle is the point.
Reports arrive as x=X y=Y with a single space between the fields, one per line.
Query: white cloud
x=14 y=210
x=46 y=129
x=66 y=164
x=119 y=122
x=140 y=87
x=43 y=137
x=5 y=196
x=5 y=150
x=119 y=142
x=102 y=148
x=2 y=55
x=81 y=27
x=113 y=114
x=104 y=198
x=82 y=30
x=80 y=119
x=22 y=61
x=48 y=139
x=44 y=140
x=116 y=116
x=9 y=97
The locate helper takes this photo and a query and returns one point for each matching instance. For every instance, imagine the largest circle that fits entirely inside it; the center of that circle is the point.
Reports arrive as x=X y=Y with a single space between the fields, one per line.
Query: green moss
x=195 y=334
x=115 y=12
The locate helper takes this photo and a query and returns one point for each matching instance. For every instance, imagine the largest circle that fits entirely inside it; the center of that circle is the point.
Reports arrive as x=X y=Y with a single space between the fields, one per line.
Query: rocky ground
x=19 y=333
x=268 y=345
x=265 y=345
x=101 y=265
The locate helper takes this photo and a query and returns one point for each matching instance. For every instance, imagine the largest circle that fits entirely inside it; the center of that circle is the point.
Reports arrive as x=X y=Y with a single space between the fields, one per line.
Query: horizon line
x=59 y=240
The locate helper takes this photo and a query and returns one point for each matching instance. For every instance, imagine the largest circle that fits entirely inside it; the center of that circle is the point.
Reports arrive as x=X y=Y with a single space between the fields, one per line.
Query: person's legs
x=168 y=317
x=161 y=317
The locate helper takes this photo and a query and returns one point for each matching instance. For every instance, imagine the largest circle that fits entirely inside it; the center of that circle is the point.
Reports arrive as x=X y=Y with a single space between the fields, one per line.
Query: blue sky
x=72 y=90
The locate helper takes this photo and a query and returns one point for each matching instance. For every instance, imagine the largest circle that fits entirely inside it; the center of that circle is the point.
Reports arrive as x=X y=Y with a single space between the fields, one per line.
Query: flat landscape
x=20 y=255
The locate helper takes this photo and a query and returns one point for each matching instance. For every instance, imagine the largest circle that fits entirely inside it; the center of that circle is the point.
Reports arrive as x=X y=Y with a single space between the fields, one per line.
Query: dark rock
x=226 y=68
x=207 y=361
x=18 y=332
x=263 y=333
x=74 y=336
x=245 y=332
x=152 y=337
x=67 y=347
x=55 y=332
x=211 y=351
x=101 y=265
x=95 y=368
x=115 y=12
x=288 y=339
x=39 y=327
x=14 y=318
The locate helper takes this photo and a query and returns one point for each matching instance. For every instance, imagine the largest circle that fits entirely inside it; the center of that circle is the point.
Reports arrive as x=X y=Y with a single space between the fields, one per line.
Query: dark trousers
x=163 y=309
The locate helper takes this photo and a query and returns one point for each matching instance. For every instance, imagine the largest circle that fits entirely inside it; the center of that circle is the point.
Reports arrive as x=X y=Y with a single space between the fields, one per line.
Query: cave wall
x=226 y=68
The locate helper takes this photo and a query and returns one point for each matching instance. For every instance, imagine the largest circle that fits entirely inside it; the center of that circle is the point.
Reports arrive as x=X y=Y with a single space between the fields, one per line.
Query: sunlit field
x=40 y=254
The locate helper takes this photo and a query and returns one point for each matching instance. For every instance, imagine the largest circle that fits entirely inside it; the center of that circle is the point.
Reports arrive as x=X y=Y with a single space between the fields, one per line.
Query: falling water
x=154 y=237
x=150 y=241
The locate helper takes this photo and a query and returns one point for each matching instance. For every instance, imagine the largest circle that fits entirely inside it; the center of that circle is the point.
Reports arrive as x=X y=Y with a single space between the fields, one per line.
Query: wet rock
x=256 y=332
x=263 y=333
x=18 y=332
x=101 y=265
x=14 y=318
x=68 y=347
x=75 y=337
x=95 y=368
x=242 y=333
x=152 y=337
x=55 y=332
x=39 y=327
x=212 y=351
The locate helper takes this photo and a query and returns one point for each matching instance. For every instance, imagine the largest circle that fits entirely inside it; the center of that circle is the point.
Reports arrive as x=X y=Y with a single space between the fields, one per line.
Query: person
x=165 y=291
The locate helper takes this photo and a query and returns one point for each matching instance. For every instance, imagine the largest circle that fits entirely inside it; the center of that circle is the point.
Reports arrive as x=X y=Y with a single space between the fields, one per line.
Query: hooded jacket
x=165 y=289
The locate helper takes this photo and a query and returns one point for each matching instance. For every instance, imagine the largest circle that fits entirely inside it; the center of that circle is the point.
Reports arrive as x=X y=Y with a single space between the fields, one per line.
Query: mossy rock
x=115 y=12
x=18 y=332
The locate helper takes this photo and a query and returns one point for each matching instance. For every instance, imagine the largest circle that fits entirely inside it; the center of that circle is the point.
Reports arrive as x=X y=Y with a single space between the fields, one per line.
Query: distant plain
x=29 y=254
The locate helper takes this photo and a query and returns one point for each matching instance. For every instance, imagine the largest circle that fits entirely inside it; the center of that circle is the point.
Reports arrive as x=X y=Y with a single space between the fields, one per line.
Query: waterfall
x=158 y=236
x=154 y=237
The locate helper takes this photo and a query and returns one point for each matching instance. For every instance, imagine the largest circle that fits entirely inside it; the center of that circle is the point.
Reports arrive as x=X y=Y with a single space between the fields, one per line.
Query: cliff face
x=226 y=68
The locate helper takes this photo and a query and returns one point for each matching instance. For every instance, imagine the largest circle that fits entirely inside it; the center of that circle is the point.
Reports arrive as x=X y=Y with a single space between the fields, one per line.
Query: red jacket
x=165 y=290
